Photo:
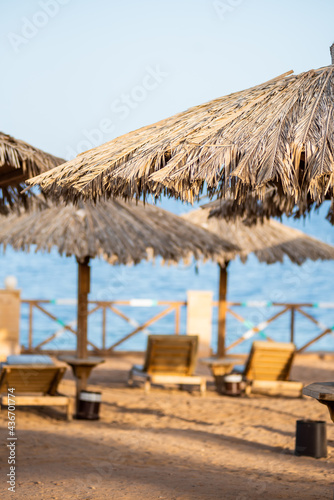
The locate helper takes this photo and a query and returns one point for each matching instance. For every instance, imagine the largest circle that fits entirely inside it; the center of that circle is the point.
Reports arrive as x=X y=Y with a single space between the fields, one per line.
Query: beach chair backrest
x=171 y=354
x=269 y=361
x=30 y=379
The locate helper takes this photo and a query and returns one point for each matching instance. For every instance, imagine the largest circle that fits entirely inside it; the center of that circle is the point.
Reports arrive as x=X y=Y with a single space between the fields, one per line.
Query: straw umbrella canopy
x=18 y=162
x=270 y=242
x=121 y=233
x=277 y=134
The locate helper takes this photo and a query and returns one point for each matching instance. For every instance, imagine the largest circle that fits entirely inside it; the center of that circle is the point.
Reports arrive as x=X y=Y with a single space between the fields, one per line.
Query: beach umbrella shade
x=253 y=210
x=121 y=233
x=278 y=134
x=18 y=162
x=270 y=242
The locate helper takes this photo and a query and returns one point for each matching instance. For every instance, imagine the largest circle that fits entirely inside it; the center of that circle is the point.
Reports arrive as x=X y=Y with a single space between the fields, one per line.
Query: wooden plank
x=37 y=400
x=277 y=388
x=176 y=379
x=177 y=320
x=292 y=325
x=170 y=379
x=199 y=319
x=178 y=359
x=170 y=366
x=167 y=371
x=273 y=354
x=320 y=390
x=161 y=378
x=263 y=344
x=34 y=400
x=259 y=368
x=10 y=304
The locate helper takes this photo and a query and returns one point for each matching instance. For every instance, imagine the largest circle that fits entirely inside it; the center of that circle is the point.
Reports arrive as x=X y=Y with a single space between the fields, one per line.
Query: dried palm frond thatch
x=122 y=233
x=254 y=210
x=270 y=241
x=278 y=134
x=18 y=162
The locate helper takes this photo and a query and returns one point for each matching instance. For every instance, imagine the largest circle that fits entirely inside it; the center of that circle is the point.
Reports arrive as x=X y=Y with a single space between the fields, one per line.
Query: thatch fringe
x=277 y=134
x=18 y=162
x=121 y=233
x=270 y=241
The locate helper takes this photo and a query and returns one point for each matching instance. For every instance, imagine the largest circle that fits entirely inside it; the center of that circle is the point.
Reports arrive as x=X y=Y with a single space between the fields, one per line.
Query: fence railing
x=170 y=307
x=174 y=308
x=284 y=309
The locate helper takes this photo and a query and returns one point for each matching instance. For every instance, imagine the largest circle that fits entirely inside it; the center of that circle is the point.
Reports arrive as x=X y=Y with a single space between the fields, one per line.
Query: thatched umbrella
x=279 y=134
x=121 y=233
x=18 y=162
x=270 y=242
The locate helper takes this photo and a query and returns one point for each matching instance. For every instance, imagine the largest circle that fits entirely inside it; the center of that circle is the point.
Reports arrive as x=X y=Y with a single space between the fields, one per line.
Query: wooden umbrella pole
x=83 y=291
x=222 y=311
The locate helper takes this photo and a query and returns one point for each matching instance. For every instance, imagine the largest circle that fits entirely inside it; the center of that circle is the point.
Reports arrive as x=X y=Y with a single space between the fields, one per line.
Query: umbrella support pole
x=83 y=291
x=221 y=350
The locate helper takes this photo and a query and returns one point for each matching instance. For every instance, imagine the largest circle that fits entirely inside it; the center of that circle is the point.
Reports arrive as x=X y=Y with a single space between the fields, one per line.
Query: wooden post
x=31 y=309
x=199 y=319
x=10 y=304
x=177 y=320
x=83 y=291
x=221 y=350
x=292 y=325
x=104 y=326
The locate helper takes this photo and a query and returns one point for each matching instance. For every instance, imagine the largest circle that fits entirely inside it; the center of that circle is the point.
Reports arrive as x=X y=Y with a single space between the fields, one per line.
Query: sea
x=52 y=277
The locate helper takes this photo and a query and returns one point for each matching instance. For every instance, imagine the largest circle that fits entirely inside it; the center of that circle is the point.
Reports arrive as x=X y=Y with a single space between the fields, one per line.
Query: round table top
x=73 y=360
x=222 y=361
x=320 y=390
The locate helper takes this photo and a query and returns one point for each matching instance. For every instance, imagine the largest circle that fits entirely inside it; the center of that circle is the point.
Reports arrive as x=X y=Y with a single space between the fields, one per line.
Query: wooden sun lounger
x=170 y=359
x=35 y=385
x=268 y=369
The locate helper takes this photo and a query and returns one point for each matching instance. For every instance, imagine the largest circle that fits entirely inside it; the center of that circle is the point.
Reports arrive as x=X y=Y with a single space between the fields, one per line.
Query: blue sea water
x=49 y=276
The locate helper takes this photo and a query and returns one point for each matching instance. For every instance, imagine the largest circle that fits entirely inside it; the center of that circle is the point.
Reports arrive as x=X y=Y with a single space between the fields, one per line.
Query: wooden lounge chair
x=35 y=385
x=170 y=359
x=268 y=369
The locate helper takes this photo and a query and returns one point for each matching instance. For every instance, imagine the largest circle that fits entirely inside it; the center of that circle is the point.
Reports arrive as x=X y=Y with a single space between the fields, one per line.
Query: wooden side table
x=81 y=368
x=324 y=393
x=220 y=367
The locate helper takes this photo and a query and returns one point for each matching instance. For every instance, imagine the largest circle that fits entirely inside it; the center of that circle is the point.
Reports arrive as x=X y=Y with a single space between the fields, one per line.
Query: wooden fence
x=170 y=307
x=234 y=309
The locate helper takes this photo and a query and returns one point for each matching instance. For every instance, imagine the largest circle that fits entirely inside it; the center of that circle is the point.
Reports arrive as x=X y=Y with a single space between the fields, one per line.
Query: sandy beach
x=171 y=444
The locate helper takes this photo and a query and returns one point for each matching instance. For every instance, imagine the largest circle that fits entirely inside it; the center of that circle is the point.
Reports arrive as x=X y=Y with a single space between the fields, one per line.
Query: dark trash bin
x=89 y=405
x=233 y=384
x=311 y=438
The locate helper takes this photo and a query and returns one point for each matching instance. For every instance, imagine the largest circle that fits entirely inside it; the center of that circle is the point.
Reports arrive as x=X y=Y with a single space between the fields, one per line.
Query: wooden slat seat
x=35 y=385
x=170 y=359
x=268 y=369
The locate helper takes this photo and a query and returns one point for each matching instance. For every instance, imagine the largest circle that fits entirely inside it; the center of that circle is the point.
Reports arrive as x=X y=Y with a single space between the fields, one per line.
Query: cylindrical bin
x=311 y=438
x=232 y=384
x=89 y=405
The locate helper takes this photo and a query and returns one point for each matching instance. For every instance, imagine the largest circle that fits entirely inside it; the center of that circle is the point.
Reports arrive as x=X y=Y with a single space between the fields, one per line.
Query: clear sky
x=77 y=73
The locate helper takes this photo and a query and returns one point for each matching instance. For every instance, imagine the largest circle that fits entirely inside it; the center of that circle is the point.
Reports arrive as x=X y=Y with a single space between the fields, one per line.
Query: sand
x=171 y=444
